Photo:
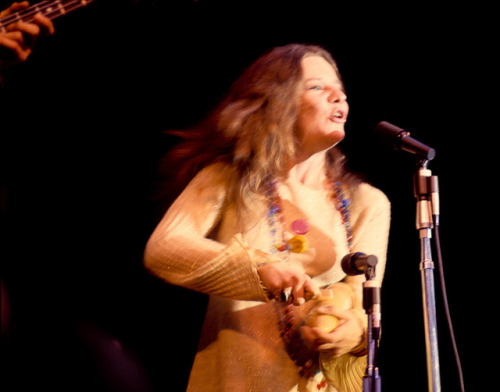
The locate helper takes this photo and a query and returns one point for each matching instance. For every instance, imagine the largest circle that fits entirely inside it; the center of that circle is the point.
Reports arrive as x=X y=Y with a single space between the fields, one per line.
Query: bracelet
x=268 y=294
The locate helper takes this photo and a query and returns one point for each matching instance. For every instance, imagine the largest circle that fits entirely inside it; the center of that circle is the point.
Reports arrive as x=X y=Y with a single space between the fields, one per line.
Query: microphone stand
x=424 y=225
x=371 y=303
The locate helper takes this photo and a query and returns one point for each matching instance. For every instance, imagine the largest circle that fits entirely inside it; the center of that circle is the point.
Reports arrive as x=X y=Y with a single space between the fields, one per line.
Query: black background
x=81 y=135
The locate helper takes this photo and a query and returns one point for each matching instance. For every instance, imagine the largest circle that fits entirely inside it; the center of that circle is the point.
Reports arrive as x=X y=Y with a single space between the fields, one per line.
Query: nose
x=337 y=95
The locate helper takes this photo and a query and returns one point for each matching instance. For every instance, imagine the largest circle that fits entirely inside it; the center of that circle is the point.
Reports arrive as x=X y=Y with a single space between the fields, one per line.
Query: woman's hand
x=343 y=339
x=281 y=276
x=17 y=43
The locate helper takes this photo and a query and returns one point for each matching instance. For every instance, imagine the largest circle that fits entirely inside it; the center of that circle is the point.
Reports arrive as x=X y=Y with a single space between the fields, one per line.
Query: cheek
x=309 y=114
x=303 y=118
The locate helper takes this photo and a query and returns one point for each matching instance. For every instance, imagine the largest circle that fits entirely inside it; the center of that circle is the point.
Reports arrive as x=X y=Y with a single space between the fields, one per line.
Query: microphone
x=358 y=263
x=400 y=139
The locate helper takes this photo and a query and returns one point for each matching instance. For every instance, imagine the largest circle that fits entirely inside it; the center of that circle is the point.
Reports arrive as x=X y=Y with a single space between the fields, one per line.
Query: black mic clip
x=359 y=263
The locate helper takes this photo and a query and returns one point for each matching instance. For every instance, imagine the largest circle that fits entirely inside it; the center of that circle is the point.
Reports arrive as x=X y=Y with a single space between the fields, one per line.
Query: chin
x=336 y=137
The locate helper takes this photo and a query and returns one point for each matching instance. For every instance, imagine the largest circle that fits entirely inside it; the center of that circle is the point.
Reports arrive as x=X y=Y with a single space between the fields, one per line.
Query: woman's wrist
x=266 y=291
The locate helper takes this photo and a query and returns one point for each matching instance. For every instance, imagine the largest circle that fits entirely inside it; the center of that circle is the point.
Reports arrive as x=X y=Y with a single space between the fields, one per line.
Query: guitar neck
x=50 y=9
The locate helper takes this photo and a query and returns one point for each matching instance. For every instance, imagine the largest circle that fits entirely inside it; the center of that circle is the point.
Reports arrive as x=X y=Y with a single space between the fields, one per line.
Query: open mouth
x=338 y=116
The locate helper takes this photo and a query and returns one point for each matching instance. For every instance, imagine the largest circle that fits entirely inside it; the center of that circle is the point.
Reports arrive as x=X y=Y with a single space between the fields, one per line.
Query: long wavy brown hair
x=254 y=128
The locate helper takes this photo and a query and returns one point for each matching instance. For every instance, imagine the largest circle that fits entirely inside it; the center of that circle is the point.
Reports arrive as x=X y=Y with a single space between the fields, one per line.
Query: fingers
x=45 y=24
x=300 y=285
x=342 y=314
x=330 y=341
x=319 y=340
x=286 y=278
x=29 y=29
x=14 y=43
x=20 y=37
x=14 y=7
x=304 y=289
x=19 y=5
x=342 y=339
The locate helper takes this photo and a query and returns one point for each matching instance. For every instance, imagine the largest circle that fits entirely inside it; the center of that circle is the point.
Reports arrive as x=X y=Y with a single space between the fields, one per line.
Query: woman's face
x=324 y=107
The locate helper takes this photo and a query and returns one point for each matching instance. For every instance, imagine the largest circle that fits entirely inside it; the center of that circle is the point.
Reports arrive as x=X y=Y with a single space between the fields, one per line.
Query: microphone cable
x=437 y=246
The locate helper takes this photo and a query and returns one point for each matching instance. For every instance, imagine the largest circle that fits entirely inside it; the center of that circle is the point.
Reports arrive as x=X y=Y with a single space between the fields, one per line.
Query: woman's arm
x=179 y=251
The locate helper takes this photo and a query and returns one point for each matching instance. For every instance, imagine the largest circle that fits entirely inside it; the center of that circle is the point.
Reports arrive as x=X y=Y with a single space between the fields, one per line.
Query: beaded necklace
x=304 y=358
x=299 y=243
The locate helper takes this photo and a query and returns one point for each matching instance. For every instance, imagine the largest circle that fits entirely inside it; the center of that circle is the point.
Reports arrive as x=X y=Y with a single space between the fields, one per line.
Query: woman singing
x=262 y=228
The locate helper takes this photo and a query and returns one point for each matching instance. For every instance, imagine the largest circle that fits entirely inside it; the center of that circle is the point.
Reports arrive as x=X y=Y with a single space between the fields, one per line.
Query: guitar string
x=28 y=14
x=43 y=7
